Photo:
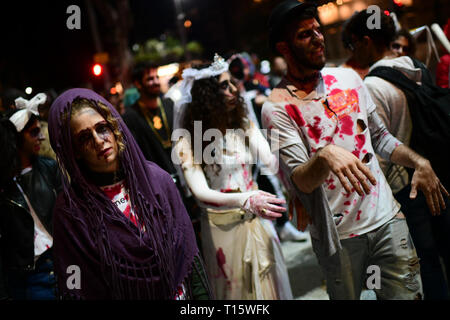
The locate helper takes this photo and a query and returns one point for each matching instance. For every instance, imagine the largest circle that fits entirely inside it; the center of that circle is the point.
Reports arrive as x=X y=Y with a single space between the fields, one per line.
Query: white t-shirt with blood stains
x=118 y=193
x=336 y=112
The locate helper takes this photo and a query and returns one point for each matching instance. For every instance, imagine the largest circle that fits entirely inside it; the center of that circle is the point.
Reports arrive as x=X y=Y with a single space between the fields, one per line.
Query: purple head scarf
x=116 y=259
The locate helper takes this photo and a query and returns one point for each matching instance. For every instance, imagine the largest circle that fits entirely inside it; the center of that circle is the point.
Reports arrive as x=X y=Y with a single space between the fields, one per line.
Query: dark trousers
x=431 y=237
x=39 y=284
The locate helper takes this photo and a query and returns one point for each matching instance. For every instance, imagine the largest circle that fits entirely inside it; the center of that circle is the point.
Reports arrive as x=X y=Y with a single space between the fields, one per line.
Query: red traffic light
x=97 y=69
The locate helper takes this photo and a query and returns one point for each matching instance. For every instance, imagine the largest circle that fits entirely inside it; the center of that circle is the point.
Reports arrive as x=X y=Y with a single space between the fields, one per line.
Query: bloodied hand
x=348 y=168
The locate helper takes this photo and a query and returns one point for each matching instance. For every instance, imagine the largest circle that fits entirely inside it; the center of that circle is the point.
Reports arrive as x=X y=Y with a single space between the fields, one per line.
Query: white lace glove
x=265 y=205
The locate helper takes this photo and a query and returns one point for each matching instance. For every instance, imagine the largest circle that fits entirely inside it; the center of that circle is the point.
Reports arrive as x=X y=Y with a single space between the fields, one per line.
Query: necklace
x=155 y=124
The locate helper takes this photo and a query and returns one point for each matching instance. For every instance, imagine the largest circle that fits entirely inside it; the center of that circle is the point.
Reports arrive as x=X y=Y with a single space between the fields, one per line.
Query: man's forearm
x=310 y=175
x=406 y=157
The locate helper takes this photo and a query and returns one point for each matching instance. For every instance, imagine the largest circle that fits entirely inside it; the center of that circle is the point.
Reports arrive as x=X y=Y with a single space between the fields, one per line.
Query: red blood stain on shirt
x=347 y=203
x=352 y=235
x=336 y=130
x=364 y=151
x=355 y=98
x=314 y=132
x=347 y=125
x=346 y=212
x=360 y=140
x=328 y=138
x=329 y=80
x=295 y=114
x=358 y=216
x=335 y=91
x=330 y=184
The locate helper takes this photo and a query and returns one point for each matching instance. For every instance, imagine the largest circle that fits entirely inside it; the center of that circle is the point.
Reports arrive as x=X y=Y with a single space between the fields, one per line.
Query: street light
x=97 y=69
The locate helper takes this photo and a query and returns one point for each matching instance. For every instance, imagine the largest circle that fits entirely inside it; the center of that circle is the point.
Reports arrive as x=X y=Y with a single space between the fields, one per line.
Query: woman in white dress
x=241 y=249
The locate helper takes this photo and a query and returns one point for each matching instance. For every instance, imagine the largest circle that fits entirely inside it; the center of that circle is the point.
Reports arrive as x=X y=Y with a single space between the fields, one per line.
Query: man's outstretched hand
x=347 y=168
x=425 y=179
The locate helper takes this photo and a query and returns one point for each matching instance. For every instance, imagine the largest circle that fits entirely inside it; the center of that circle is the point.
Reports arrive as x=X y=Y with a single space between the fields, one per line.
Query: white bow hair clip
x=27 y=108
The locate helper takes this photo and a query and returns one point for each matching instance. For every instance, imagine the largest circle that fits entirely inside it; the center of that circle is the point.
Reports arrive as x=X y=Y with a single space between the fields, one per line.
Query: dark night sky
x=37 y=49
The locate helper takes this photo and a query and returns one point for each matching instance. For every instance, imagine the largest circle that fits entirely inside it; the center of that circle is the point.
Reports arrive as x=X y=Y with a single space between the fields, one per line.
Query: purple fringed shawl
x=116 y=260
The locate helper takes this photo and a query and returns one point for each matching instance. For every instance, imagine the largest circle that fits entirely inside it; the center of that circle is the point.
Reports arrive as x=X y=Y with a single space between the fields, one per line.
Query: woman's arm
x=196 y=180
x=259 y=202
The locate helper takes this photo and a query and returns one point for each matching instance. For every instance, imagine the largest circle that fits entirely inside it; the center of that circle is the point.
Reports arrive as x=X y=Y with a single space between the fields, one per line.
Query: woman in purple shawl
x=120 y=228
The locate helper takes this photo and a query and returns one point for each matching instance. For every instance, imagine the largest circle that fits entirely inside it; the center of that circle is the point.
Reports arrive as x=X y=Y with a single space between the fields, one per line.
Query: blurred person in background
x=443 y=67
x=403 y=44
x=277 y=72
x=46 y=148
x=429 y=230
x=29 y=186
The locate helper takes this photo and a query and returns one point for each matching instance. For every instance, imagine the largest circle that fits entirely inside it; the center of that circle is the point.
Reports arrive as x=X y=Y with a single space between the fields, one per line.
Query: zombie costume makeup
x=116 y=258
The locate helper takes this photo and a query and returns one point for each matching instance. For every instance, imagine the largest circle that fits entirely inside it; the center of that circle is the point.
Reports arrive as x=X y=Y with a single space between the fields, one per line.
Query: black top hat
x=282 y=14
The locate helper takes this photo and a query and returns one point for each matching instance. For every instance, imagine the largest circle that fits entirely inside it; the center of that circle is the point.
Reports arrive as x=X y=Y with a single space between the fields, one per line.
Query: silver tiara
x=219 y=63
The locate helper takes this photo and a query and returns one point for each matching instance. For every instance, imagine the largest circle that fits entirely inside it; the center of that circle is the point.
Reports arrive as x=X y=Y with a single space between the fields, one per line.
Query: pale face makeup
x=94 y=141
x=228 y=89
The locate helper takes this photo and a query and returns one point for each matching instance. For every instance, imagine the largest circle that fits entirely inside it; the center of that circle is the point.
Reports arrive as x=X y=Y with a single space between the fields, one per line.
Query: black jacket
x=146 y=139
x=41 y=186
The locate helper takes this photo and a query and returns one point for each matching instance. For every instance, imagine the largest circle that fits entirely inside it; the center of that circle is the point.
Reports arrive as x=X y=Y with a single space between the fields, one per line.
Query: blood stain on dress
x=358 y=216
x=221 y=260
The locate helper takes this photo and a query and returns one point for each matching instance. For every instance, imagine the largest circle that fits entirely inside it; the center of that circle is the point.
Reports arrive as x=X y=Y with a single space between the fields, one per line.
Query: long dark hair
x=208 y=105
x=9 y=161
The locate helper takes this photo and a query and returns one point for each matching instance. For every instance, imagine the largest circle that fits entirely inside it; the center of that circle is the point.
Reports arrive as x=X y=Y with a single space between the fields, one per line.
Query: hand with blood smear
x=265 y=205
x=347 y=168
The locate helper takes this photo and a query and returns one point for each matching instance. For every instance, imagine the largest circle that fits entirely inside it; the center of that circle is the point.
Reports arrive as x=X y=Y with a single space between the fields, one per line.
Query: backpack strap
x=395 y=77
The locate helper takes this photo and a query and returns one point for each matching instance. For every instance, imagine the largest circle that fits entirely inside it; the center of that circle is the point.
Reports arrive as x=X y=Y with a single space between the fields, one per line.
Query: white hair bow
x=27 y=108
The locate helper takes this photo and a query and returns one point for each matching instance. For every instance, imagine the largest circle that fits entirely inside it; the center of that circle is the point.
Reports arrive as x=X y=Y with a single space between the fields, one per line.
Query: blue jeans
x=388 y=247
x=39 y=284
x=431 y=236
